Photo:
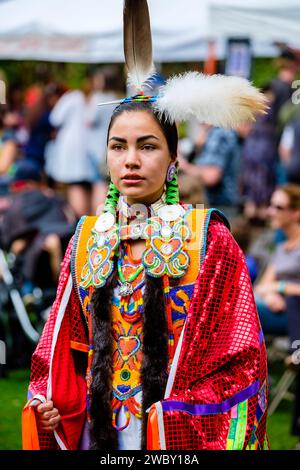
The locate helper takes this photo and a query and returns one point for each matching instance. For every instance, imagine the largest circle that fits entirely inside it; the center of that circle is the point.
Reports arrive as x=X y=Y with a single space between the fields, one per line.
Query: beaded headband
x=140 y=98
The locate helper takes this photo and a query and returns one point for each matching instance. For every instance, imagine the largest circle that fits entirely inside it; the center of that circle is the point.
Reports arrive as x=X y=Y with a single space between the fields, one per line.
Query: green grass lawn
x=13 y=390
x=13 y=393
x=279 y=428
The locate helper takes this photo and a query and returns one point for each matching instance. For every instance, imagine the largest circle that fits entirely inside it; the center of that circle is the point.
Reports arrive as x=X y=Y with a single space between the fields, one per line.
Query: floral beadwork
x=165 y=248
x=101 y=249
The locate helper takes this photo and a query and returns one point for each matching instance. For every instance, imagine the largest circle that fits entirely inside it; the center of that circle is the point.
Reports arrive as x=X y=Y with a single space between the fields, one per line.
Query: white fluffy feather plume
x=219 y=100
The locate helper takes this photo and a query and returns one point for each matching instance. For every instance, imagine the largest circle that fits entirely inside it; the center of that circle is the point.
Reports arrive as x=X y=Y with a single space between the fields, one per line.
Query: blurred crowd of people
x=53 y=171
x=240 y=169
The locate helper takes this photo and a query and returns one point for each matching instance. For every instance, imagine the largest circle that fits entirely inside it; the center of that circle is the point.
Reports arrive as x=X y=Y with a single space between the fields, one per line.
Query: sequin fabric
x=222 y=360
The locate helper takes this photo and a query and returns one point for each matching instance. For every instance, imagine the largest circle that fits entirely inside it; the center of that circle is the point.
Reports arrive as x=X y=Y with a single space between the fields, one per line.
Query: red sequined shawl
x=217 y=392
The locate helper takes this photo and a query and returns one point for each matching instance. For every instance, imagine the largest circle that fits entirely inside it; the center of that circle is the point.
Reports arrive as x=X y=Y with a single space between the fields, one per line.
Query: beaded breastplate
x=196 y=220
x=166 y=238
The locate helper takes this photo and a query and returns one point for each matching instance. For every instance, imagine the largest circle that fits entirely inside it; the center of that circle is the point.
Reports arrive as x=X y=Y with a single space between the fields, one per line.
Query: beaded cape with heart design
x=165 y=252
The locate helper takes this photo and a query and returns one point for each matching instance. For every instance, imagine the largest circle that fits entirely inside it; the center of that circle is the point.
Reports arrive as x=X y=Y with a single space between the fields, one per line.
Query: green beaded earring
x=172 y=190
x=112 y=198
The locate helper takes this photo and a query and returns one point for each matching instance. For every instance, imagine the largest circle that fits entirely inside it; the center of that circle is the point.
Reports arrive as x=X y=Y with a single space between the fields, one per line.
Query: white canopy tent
x=91 y=30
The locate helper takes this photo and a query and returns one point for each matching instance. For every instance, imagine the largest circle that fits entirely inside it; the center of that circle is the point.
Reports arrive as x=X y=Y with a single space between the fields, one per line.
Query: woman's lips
x=132 y=179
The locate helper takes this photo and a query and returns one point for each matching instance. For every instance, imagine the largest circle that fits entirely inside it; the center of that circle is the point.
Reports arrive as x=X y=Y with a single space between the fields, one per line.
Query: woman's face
x=280 y=213
x=138 y=156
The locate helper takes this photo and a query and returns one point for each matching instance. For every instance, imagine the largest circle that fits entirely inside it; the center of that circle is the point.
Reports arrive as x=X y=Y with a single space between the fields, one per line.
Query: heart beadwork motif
x=126 y=360
x=169 y=249
x=100 y=251
x=166 y=254
x=128 y=346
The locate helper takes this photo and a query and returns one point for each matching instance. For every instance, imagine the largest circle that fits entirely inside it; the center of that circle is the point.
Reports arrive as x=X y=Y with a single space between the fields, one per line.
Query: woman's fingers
x=49 y=424
x=48 y=428
x=50 y=414
x=54 y=420
x=50 y=418
x=48 y=406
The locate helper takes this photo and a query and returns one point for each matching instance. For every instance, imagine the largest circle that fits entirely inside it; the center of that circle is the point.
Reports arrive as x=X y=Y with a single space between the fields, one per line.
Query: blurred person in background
x=39 y=102
x=281 y=86
x=15 y=98
x=98 y=121
x=241 y=231
x=258 y=164
x=278 y=291
x=9 y=150
x=192 y=145
x=216 y=166
x=289 y=151
x=78 y=151
x=36 y=222
x=15 y=107
x=191 y=190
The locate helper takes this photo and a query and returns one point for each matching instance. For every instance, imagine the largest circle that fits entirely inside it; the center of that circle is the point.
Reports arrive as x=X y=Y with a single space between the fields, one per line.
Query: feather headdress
x=219 y=100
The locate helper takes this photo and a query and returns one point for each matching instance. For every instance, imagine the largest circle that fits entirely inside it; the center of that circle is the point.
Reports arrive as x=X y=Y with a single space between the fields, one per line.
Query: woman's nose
x=132 y=159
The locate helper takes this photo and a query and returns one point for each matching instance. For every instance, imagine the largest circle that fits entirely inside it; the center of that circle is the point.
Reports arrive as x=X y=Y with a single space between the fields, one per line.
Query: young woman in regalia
x=153 y=341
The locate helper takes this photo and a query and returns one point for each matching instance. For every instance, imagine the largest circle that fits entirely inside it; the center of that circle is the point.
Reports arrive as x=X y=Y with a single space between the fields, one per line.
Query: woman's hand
x=275 y=302
x=265 y=289
x=47 y=416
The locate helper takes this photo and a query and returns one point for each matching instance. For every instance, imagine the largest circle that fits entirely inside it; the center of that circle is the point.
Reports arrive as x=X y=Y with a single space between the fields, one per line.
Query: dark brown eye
x=148 y=147
x=117 y=147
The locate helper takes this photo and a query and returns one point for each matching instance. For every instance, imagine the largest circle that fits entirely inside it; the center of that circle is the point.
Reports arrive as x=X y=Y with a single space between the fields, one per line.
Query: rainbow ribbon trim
x=139 y=99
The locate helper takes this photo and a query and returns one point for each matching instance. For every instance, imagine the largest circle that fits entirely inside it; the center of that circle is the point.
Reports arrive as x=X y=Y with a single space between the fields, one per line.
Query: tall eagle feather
x=137 y=42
